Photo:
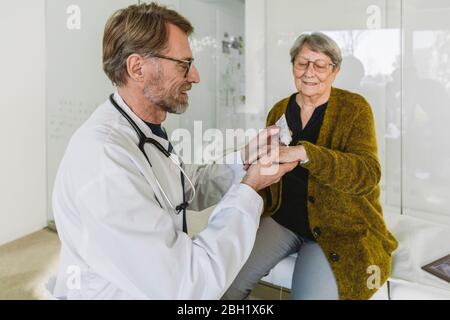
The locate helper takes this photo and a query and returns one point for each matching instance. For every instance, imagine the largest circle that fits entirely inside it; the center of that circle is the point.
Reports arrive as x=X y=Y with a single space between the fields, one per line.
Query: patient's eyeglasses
x=319 y=65
x=185 y=63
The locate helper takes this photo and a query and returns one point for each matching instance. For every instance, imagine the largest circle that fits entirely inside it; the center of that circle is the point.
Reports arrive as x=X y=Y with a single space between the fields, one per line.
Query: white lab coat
x=118 y=243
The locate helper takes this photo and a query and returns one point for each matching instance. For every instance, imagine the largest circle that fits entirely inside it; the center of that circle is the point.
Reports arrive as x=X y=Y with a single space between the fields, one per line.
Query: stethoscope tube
x=143 y=139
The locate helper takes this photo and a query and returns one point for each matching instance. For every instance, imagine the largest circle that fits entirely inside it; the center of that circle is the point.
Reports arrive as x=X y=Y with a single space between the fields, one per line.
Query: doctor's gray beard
x=168 y=99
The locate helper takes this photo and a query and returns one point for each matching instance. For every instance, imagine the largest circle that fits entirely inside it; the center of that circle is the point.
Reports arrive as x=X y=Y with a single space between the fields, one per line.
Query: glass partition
x=426 y=110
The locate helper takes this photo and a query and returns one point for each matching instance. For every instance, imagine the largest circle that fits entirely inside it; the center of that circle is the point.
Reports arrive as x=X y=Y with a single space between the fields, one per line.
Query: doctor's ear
x=134 y=67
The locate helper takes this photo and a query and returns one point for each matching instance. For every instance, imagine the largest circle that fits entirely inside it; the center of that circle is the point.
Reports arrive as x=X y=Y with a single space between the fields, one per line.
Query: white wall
x=76 y=83
x=22 y=129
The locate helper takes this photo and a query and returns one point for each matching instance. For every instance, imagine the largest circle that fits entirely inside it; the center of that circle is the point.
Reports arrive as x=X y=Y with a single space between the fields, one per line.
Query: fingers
x=261 y=144
x=273 y=133
x=269 y=166
x=273 y=130
x=283 y=153
x=282 y=169
x=287 y=167
x=265 y=161
x=265 y=143
x=268 y=137
x=264 y=172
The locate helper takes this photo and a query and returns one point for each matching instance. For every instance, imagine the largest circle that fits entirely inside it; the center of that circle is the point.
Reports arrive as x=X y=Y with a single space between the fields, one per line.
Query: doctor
x=120 y=195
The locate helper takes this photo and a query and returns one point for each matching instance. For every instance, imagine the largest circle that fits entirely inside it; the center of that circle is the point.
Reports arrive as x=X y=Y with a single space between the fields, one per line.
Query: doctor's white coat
x=118 y=242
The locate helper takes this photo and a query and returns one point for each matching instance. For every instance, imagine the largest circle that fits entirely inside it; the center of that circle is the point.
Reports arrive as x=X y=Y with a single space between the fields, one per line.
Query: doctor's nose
x=193 y=75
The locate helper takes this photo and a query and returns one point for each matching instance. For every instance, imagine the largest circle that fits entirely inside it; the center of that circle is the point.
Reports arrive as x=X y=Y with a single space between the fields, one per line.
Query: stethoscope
x=143 y=139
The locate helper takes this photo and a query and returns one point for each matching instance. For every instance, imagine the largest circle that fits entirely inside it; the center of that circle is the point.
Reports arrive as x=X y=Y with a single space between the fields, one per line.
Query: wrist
x=302 y=156
x=246 y=181
x=300 y=153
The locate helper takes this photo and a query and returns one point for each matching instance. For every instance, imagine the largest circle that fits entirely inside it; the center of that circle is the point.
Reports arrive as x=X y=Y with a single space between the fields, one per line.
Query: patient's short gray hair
x=318 y=42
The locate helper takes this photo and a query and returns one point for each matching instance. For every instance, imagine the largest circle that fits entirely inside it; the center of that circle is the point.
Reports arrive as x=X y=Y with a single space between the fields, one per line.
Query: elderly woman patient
x=327 y=209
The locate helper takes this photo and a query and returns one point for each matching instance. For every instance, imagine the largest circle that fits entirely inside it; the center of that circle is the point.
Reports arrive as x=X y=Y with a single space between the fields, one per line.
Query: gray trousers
x=313 y=278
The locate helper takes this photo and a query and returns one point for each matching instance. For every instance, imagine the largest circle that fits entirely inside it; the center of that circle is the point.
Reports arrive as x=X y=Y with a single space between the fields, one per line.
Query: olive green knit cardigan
x=344 y=210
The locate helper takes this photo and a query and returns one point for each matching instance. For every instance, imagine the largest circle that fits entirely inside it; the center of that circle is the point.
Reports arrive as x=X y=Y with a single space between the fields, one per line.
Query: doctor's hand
x=265 y=172
x=260 y=145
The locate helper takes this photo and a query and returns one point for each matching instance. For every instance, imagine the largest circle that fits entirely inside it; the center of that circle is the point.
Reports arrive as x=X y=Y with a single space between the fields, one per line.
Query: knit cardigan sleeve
x=355 y=170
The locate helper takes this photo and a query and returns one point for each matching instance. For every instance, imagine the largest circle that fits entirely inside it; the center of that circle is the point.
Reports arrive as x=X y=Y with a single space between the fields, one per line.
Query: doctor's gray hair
x=140 y=29
x=318 y=42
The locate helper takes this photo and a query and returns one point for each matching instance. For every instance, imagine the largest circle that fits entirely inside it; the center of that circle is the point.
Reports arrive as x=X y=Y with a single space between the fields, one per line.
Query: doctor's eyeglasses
x=185 y=63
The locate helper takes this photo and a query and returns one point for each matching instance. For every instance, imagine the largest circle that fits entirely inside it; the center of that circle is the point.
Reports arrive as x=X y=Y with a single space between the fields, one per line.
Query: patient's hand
x=292 y=154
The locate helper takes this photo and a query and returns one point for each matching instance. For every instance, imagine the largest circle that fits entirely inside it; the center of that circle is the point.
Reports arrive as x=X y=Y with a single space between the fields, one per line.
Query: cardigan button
x=311 y=199
x=334 y=256
x=317 y=232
